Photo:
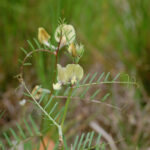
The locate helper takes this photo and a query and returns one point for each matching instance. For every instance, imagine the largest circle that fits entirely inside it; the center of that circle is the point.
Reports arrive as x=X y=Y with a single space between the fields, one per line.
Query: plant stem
x=44 y=146
x=55 y=67
x=66 y=107
x=46 y=114
x=107 y=82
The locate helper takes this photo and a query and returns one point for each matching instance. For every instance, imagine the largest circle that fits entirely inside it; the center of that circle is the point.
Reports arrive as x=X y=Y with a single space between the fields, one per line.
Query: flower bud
x=72 y=50
x=43 y=36
x=79 y=49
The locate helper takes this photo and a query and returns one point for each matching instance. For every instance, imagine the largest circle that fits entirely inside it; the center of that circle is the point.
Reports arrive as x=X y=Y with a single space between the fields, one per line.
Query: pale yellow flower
x=73 y=80
x=71 y=73
x=57 y=86
x=43 y=36
x=67 y=32
x=74 y=71
x=62 y=76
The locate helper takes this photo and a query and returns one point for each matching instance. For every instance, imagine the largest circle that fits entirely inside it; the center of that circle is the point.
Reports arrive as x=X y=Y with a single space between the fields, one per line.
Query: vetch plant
x=65 y=84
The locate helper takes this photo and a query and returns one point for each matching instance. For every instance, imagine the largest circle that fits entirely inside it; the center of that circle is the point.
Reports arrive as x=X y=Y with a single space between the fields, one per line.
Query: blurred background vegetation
x=116 y=36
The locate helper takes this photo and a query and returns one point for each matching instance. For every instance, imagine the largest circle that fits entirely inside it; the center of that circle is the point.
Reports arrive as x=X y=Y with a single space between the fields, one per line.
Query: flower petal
x=74 y=70
x=71 y=73
x=43 y=36
x=68 y=34
x=57 y=86
x=62 y=76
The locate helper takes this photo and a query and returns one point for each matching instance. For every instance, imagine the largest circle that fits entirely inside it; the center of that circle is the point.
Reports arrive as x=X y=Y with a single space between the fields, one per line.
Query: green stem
x=66 y=107
x=55 y=68
x=45 y=112
x=107 y=82
x=43 y=143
